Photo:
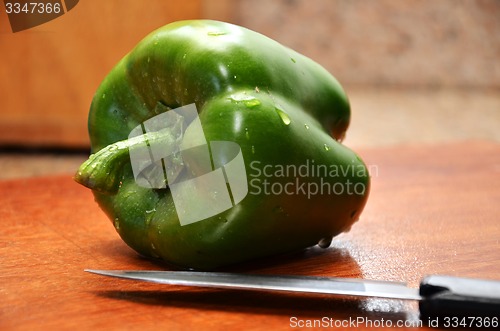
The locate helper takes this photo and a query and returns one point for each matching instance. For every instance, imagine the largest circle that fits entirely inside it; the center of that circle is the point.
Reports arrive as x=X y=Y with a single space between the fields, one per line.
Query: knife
x=438 y=296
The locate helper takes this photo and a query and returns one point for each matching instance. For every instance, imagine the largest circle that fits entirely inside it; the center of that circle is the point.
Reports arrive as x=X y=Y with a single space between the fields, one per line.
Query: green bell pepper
x=286 y=113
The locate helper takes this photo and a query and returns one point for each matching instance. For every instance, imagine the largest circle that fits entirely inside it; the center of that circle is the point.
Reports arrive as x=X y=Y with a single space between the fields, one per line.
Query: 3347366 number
x=471 y=322
x=32 y=8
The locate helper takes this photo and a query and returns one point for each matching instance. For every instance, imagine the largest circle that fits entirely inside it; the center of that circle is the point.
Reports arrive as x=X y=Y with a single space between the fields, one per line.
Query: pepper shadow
x=312 y=261
x=315 y=261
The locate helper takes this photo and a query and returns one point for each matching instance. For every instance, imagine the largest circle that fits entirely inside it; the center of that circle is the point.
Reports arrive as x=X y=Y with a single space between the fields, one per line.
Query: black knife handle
x=448 y=298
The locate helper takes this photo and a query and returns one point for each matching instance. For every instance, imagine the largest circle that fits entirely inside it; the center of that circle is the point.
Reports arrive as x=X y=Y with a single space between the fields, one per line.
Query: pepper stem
x=102 y=172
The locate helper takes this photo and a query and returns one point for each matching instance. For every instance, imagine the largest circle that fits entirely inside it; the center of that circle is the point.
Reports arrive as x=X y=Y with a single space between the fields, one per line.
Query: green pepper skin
x=279 y=106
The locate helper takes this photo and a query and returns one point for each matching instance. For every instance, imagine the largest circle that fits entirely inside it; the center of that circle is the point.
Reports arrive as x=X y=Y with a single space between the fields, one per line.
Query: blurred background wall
x=416 y=71
x=409 y=43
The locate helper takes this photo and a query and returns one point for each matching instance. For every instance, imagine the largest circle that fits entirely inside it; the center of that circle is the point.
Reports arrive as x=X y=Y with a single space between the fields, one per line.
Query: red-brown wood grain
x=432 y=210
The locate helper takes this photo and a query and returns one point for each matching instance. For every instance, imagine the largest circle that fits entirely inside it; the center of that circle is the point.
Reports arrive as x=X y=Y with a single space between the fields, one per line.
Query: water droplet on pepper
x=325 y=242
x=248 y=100
x=216 y=33
x=284 y=116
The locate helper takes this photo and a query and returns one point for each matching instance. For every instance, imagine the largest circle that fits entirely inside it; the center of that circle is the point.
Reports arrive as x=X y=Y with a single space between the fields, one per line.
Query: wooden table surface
x=432 y=210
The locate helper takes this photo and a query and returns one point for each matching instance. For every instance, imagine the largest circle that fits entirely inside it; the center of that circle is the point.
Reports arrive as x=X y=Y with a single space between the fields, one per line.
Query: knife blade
x=438 y=296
